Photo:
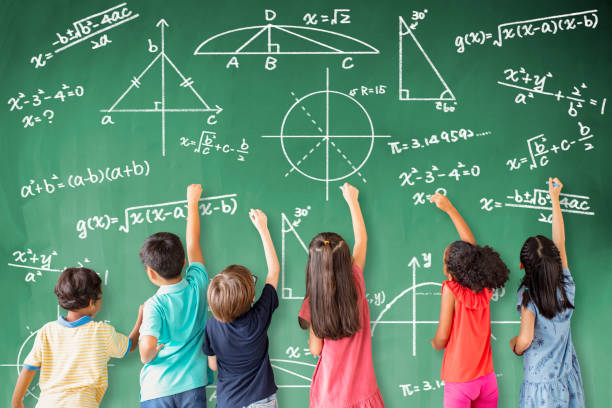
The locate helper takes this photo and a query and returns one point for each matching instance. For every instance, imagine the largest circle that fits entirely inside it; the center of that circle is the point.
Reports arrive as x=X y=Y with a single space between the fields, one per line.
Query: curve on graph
x=395 y=299
x=199 y=50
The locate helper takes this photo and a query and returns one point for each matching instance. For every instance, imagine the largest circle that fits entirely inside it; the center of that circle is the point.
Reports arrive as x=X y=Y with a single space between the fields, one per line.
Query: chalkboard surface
x=113 y=108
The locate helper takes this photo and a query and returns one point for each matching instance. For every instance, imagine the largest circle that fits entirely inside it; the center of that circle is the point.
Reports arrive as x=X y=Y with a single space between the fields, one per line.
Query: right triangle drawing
x=419 y=79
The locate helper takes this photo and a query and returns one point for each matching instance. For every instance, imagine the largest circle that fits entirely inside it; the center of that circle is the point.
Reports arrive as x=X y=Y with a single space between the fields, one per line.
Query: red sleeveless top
x=468 y=351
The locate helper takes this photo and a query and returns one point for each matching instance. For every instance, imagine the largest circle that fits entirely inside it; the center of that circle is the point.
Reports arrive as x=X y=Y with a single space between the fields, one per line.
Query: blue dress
x=551 y=376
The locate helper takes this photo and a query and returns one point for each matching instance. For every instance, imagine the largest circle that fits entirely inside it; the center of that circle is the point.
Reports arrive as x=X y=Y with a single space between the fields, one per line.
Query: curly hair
x=475 y=267
x=543 y=276
x=76 y=287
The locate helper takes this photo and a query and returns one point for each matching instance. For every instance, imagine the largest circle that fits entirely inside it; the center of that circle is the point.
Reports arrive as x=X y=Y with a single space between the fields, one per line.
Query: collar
x=79 y=322
x=175 y=287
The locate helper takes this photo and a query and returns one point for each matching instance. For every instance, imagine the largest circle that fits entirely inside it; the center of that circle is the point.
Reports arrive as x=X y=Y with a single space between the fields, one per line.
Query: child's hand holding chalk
x=350 y=193
x=554 y=188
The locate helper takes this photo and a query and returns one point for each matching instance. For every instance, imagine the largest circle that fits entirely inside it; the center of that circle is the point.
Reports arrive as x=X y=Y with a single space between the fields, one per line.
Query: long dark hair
x=543 y=276
x=330 y=286
x=475 y=267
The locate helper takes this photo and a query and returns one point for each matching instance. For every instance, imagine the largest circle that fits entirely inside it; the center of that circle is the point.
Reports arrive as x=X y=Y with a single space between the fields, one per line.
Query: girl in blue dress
x=545 y=301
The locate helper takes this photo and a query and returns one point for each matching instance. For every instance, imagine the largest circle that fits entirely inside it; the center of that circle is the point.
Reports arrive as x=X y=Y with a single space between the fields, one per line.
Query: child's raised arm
x=558 y=229
x=194 y=251
x=351 y=195
x=260 y=221
x=445 y=205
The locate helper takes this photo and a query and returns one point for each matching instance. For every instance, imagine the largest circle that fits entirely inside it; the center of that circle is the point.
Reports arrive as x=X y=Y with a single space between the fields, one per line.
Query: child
x=236 y=338
x=72 y=352
x=545 y=301
x=336 y=312
x=174 y=374
x=464 y=328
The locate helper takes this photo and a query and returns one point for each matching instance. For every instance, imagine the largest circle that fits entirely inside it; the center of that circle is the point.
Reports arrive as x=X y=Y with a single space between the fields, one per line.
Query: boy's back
x=176 y=316
x=72 y=358
x=241 y=348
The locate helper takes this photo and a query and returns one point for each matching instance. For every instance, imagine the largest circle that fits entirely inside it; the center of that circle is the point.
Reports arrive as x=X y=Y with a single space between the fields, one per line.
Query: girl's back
x=344 y=376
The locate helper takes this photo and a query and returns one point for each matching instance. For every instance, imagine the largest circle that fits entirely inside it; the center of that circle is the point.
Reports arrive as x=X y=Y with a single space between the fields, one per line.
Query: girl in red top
x=464 y=328
x=336 y=312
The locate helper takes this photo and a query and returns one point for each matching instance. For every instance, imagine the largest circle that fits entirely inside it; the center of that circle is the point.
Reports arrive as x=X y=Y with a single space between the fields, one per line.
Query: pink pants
x=479 y=393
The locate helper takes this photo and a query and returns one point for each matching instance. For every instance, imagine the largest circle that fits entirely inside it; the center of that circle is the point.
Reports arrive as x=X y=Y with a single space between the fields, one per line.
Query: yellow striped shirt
x=72 y=358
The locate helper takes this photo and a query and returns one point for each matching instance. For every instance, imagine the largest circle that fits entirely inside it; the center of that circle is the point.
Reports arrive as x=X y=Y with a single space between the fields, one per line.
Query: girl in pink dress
x=336 y=312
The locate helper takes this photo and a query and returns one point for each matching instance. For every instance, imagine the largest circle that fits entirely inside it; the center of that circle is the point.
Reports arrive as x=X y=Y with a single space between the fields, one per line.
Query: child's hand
x=350 y=193
x=259 y=220
x=554 y=188
x=513 y=344
x=194 y=191
x=442 y=202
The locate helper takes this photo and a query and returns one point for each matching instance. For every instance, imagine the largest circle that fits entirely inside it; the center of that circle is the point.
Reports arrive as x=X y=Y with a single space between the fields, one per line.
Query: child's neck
x=166 y=282
x=74 y=315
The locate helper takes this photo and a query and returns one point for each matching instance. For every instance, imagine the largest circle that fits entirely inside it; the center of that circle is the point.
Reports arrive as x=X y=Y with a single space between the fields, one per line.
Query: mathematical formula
x=337 y=16
x=539 y=199
x=534 y=84
x=451 y=136
x=540 y=150
x=41 y=98
x=96 y=176
x=35 y=264
x=410 y=389
x=156 y=213
x=416 y=176
x=550 y=25
x=207 y=144
x=84 y=29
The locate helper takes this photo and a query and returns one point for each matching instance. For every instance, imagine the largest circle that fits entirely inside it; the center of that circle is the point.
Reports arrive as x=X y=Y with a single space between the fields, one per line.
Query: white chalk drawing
x=405 y=93
x=412 y=290
x=159 y=106
x=327 y=137
x=287 y=227
x=304 y=41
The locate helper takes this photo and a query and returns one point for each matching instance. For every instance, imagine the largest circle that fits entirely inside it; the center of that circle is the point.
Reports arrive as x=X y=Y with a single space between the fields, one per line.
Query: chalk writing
x=36 y=263
x=538 y=199
x=295 y=352
x=534 y=84
x=155 y=213
x=86 y=28
x=54 y=183
x=207 y=144
x=377 y=298
x=528 y=28
x=366 y=90
x=415 y=176
x=451 y=136
x=41 y=98
x=337 y=16
x=422 y=198
x=540 y=150
x=410 y=389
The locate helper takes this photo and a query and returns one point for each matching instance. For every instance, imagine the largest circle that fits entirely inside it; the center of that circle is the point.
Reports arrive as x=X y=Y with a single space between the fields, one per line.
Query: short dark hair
x=475 y=267
x=163 y=252
x=76 y=287
x=230 y=293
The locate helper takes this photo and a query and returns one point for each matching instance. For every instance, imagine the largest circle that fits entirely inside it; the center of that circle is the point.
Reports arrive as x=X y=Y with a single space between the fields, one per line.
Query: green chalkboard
x=113 y=108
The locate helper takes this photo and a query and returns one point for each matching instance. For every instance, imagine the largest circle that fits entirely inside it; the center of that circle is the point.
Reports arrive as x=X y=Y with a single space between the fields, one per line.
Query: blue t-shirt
x=245 y=374
x=176 y=316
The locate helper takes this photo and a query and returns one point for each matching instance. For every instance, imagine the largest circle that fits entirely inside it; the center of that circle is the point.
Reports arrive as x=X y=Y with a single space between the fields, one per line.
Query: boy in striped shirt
x=72 y=352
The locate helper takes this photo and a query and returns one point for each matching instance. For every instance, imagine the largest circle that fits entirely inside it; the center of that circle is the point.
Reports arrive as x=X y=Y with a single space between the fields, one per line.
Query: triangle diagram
x=419 y=79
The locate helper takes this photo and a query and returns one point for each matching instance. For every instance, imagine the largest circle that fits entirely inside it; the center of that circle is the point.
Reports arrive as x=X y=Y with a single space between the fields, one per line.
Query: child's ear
x=184 y=262
x=151 y=273
x=521 y=266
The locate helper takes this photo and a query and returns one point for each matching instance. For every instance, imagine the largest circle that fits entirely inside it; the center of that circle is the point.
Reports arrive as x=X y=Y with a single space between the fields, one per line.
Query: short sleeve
x=34 y=359
x=197 y=273
x=305 y=310
x=151 y=321
x=519 y=301
x=118 y=345
x=265 y=305
x=206 y=344
x=570 y=286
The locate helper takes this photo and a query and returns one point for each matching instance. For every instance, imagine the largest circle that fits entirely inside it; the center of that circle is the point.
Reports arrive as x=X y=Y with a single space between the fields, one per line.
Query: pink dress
x=344 y=376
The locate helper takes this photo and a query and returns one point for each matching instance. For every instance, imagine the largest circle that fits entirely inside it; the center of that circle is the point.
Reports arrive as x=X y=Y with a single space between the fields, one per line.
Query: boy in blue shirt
x=236 y=338
x=174 y=374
